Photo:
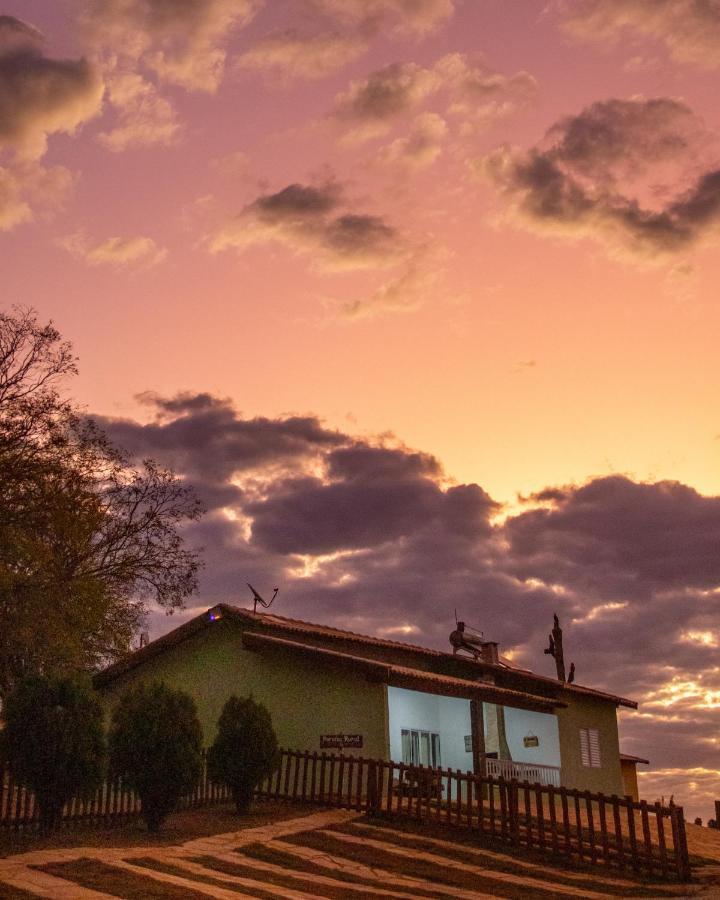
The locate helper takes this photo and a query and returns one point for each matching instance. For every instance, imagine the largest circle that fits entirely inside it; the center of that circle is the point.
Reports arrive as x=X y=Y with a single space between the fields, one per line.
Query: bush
x=54 y=742
x=245 y=751
x=156 y=747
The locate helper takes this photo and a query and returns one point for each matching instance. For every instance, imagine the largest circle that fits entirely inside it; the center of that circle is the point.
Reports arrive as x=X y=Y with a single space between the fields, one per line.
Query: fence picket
x=662 y=848
x=647 y=838
x=601 y=832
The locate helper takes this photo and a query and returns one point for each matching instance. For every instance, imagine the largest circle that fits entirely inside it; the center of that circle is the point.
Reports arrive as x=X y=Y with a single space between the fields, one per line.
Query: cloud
x=115 y=251
x=291 y=54
x=633 y=173
x=144 y=117
x=468 y=89
x=414 y=286
x=40 y=96
x=30 y=189
x=615 y=537
x=409 y=16
x=182 y=41
x=371 y=535
x=370 y=105
x=422 y=146
x=314 y=219
x=689 y=29
x=480 y=95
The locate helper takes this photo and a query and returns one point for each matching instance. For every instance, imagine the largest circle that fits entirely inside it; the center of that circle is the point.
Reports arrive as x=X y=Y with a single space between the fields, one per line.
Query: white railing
x=532 y=772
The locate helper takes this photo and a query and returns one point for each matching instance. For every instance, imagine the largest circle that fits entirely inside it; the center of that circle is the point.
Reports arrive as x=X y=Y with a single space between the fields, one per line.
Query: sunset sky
x=421 y=295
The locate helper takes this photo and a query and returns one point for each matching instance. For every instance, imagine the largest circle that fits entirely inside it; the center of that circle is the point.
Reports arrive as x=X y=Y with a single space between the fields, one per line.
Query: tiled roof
x=296 y=627
x=404 y=676
x=626 y=757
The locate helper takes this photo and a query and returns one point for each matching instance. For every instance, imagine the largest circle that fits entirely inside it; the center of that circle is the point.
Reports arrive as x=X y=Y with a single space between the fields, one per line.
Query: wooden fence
x=577 y=826
x=572 y=825
x=111 y=803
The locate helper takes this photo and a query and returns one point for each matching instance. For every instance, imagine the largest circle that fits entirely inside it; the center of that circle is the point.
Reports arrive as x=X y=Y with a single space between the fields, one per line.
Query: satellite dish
x=266 y=604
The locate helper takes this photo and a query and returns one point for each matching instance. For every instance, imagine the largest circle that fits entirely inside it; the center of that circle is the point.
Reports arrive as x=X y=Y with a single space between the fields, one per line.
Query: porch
x=451 y=732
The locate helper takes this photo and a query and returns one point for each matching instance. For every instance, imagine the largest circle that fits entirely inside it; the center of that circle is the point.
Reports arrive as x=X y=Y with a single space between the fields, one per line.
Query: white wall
x=522 y=722
x=447 y=716
x=454 y=717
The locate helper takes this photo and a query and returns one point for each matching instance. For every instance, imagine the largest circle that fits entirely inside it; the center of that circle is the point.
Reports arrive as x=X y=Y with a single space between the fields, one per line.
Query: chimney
x=489 y=652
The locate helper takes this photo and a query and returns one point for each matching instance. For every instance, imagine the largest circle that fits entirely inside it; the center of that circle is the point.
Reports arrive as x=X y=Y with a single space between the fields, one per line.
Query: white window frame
x=418 y=745
x=590 y=748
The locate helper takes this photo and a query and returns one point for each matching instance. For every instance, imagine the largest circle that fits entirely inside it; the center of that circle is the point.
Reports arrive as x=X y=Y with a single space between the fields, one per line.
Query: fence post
x=372 y=786
x=514 y=813
x=681 y=848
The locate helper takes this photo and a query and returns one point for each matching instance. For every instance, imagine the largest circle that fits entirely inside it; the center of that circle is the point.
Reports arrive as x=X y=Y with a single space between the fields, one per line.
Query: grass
x=293 y=881
x=98 y=876
x=427 y=870
x=466 y=850
x=185 y=825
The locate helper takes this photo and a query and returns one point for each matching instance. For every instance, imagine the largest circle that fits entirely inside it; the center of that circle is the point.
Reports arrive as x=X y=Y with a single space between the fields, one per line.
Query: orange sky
x=500 y=242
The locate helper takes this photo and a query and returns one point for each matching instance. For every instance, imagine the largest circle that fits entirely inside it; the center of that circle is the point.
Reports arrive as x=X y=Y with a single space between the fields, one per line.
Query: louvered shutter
x=590 y=747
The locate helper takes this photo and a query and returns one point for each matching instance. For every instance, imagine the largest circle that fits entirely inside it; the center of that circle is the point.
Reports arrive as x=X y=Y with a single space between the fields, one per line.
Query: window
x=420 y=748
x=590 y=747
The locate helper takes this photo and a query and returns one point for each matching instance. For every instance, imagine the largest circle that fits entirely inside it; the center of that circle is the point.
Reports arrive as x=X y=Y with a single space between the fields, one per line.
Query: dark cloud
x=616 y=537
x=595 y=175
x=40 y=95
x=310 y=219
x=206 y=440
x=373 y=537
x=298 y=201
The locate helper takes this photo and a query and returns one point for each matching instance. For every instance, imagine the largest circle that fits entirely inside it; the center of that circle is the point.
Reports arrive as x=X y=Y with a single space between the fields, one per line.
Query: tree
x=245 y=751
x=54 y=742
x=87 y=537
x=155 y=746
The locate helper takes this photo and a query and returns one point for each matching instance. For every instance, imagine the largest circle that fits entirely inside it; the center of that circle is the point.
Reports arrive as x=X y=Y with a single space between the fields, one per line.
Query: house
x=329 y=689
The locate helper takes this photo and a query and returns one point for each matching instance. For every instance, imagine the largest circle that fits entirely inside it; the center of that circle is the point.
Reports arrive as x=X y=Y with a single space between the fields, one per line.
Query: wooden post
x=477 y=727
x=681 y=848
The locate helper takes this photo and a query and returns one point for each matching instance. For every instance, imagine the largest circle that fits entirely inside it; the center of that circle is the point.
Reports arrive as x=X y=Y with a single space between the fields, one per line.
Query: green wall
x=588 y=712
x=304 y=698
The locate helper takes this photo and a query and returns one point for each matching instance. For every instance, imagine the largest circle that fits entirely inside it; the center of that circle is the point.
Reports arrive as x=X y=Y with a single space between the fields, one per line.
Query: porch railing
x=532 y=772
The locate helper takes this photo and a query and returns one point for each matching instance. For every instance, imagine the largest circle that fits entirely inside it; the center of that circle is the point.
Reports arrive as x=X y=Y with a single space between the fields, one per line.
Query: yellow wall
x=629 y=777
x=588 y=712
x=305 y=700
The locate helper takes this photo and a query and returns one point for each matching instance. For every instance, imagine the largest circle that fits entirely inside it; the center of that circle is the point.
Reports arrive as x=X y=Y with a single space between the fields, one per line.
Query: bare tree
x=87 y=538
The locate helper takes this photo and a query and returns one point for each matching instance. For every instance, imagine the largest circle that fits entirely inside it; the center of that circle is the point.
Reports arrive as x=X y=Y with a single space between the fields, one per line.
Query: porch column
x=477 y=728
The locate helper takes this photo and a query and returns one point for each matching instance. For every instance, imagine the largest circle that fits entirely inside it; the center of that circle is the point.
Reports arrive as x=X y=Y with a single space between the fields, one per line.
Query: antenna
x=266 y=604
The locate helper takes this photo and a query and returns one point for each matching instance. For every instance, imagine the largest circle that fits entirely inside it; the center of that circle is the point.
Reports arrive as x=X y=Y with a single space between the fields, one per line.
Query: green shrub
x=245 y=751
x=54 y=742
x=156 y=747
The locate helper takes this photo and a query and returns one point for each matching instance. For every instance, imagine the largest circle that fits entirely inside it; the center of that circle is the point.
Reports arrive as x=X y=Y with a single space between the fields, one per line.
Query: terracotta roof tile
x=283 y=625
x=405 y=676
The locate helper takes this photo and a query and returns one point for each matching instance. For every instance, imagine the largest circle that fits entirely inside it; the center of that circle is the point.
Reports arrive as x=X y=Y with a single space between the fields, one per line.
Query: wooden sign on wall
x=341 y=741
x=531 y=741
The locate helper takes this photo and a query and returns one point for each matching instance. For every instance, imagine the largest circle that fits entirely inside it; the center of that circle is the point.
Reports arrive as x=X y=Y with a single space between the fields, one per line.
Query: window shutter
x=590 y=747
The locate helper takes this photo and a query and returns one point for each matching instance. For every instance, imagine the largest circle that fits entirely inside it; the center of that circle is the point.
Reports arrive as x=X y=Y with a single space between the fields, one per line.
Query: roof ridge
x=325 y=629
